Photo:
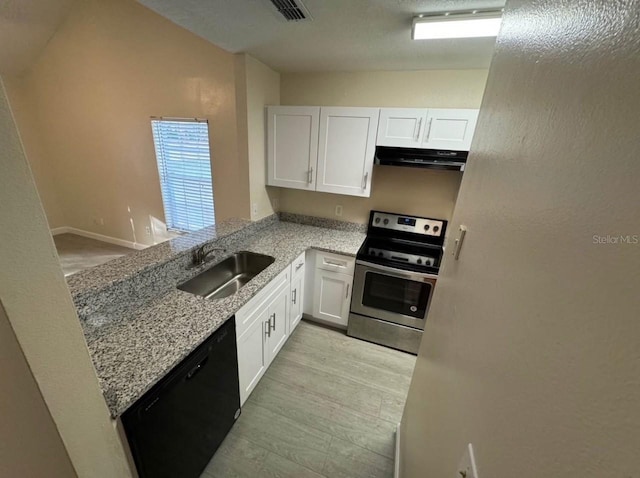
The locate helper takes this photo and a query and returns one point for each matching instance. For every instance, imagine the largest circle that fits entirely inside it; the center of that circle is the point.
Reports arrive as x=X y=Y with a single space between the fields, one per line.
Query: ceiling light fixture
x=457 y=25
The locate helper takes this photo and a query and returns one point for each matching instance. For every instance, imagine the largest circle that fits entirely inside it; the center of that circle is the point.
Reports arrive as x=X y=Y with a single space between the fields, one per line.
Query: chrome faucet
x=200 y=257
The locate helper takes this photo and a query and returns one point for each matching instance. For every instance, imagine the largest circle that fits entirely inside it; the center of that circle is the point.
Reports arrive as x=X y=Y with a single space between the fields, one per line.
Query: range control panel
x=415 y=225
x=402 y=257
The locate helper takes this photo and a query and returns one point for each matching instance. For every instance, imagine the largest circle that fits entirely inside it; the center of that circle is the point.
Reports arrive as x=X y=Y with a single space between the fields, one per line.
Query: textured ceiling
x=343 y=34
x=26 y=26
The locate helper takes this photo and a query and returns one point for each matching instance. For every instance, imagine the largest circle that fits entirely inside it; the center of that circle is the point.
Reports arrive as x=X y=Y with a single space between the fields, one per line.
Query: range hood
x=422 y=158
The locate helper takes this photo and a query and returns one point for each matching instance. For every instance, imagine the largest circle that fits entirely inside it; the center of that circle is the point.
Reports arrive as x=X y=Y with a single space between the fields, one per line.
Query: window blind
x=184 y=164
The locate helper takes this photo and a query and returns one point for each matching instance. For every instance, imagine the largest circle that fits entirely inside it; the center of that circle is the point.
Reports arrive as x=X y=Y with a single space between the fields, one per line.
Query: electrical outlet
x=98 y=221
x=276 y=204
x=467 y=466
x=254 y=209
x=147 y=230
x=338 y=210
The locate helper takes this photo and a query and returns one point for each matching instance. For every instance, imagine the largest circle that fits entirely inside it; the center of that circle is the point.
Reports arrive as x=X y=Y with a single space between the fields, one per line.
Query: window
x=182 y=152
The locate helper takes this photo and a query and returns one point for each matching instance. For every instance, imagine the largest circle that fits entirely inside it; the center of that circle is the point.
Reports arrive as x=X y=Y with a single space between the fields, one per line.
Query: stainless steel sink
x=227 y=277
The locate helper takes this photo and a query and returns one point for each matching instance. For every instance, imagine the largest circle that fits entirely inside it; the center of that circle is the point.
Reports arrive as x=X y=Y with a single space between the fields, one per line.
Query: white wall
x=40 y=310
x=530 y=350
x=405 y=190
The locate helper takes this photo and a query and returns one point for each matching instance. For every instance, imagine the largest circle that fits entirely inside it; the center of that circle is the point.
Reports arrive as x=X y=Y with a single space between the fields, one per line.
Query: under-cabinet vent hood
x=422 y=158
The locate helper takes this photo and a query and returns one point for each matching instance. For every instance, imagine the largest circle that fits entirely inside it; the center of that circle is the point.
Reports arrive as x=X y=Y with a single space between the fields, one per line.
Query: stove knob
x=426 y=227
x=386 y=221
x=380 y=254
x=436 y=228
x=419 y=261
x=377 y=220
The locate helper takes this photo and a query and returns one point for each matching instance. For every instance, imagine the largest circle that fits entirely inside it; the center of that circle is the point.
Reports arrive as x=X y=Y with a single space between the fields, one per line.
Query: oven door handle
x=397 y=272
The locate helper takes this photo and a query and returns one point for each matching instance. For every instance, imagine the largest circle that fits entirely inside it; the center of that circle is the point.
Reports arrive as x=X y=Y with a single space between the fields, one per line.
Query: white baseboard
x=396 y=462
x=98 y=237
x=59 y=230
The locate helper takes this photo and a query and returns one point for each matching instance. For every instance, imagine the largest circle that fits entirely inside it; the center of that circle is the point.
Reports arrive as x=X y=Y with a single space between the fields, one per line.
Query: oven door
x=394 y=295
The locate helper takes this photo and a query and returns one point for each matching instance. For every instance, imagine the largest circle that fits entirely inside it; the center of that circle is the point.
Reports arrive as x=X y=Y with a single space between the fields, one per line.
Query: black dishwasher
x=176 y=427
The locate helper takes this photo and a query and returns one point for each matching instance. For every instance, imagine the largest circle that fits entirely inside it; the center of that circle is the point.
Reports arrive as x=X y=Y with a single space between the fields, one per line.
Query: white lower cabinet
x=332 y=282
x=277 y=327
x=297 y=292
x=332 y=297
x=262 y=328
x=264 y=324
x=252 y=357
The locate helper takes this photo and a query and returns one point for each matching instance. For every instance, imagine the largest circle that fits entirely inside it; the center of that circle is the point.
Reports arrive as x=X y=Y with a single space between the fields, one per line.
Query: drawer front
x=335 y=263
x=297 y=265
x=246 y=315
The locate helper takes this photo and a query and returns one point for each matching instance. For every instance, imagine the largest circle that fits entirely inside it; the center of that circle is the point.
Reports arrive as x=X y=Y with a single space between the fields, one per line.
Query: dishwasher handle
x=197 y=368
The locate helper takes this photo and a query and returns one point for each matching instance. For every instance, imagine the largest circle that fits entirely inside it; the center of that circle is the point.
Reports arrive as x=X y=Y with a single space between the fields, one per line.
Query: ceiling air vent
x=292 y=10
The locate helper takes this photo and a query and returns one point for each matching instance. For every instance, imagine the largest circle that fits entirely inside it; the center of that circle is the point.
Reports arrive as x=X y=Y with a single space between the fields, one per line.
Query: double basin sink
x=227 y=277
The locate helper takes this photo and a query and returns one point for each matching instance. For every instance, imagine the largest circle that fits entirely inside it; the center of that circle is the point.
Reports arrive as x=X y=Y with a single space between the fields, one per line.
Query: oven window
x=393 y=294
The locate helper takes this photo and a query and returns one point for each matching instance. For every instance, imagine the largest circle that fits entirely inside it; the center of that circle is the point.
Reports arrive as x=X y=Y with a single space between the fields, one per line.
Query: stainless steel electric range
x=395 y=275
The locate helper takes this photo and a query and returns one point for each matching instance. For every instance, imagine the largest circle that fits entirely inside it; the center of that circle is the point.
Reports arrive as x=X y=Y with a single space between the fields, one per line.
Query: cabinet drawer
x=298 y=265
x=335 y=262
x=246 y=315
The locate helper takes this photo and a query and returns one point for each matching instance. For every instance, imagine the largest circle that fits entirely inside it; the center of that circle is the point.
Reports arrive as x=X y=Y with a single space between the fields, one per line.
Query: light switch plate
x=467 y=466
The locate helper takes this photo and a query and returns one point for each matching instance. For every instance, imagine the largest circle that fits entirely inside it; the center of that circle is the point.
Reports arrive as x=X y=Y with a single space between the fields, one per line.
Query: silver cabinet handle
x=267 y=329
x=295 y=296
x=329 y=263
x=347 y=294
x=310 y=176
x=416 y=132
x=364 y=180
x=273 y=326
x=426 y=136
x=299 y=266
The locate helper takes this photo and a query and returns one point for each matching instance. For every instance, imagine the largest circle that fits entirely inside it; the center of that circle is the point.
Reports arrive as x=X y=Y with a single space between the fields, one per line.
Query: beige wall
x=257 y=86
x=43 y=318
x=109 y=68
x=530 y=350
x=406 y=190
x=31 y=445
x=44 y=170
x=417 y=192
x=420 y=88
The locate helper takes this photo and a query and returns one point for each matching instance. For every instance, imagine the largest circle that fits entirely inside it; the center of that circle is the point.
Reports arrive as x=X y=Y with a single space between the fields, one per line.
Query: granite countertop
x=140 y=330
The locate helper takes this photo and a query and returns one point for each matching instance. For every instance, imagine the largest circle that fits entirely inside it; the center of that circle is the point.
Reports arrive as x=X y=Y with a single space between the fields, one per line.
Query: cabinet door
x=450 y=129
x=252 y=355
x=332 y=297
x=292 y=146
x=401 y=127
x=297 y=298
x=278 y=321
x=345 y=150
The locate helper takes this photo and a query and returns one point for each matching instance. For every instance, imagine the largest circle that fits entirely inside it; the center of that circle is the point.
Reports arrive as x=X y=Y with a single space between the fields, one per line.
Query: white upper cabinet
x=347 y=142
x=292 y=146
x=449 y=129
x=401 y=127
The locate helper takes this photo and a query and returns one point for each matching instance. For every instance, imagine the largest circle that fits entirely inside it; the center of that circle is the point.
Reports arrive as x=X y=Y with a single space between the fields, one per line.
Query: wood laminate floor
x=327 y=407
x=77 y=252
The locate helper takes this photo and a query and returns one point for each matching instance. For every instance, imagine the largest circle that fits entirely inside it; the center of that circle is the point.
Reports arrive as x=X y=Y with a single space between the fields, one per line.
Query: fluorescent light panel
x=456 y=26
